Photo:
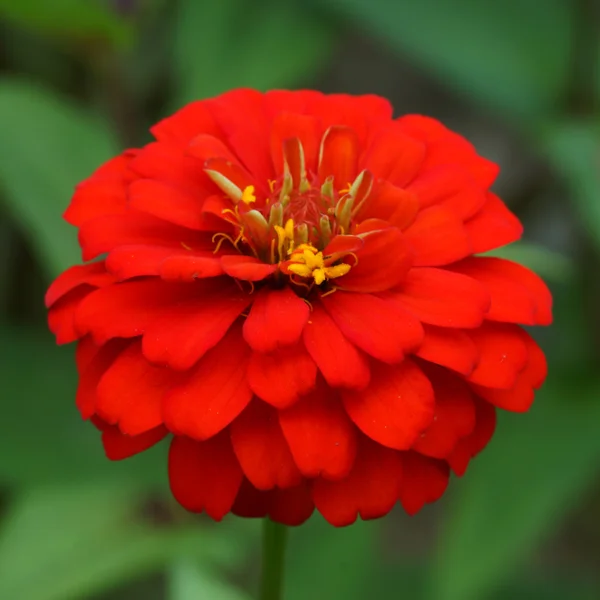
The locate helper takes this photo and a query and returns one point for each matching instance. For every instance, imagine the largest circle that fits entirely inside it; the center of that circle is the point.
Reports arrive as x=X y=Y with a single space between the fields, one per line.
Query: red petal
x=338 y=156
x=444 y=147
x=168 y=163
x=370 y=490
x=206 y=147
x=119 y=446
x=518 y=295
x=262 y=450
x=131 y=391
x=341 y=364
x=361 y=113
x=396 y=407
x=126 y=309
x=168 y=203
x=454 y=416
x=371 y=226
x=442 y=298
x=520 y=397
x=289 y=125
x=393 y=204
x=374 y=325
x=320 y=435
x=340 y=246
x=251 y=503
x=281 y=377
x=437 y=237
x=91 y=373
x=61 y=316
x=241 y=115
x=502 y=355
x=93 y=274
x=297 y=101
x=190 y=266
x=204 y=476
x=470 y=446
x=180 y=337
x=394 y=156
x=186 y=123
x=246 y=268
x=106 y=233
x=424 y=480
x=215 y=393
x=291 y=506
x=450 y=187
x=383 y=262
x=84 y=353
x=103 y=193
x=450 y=348
x=276 y=319
x=127 y=262
x=493 y=226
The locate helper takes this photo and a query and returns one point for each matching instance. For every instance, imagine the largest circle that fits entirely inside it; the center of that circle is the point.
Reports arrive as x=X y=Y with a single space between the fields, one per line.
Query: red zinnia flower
x=288 y=287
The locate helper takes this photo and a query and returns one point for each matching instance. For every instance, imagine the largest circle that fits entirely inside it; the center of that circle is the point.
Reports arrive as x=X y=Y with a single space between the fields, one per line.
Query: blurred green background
x=80 y=79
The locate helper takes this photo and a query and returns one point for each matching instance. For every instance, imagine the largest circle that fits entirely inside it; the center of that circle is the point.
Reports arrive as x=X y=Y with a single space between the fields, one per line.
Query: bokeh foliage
x=78 y=80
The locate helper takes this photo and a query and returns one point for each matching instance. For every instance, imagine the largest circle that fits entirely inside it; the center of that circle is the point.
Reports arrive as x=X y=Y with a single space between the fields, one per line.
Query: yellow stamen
x=248 y=195
x=301 y=270
x=337 y=270
x=319 y=276
x=301 y=283
x=285 y=238
x=302 y=247
x=328 y=292
x=345 y=190
x=222 y=237
x=185 y=246
x=235 y=213
x=310 y=306
x=271 y=184
x=308 y=262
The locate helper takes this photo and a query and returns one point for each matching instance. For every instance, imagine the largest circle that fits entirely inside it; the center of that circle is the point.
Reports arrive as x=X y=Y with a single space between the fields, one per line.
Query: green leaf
x=574 y=149
x=42 y=436
x=47 y=146
x=69 y=18
x=509 y=55
x=67 y=542
x=188 y=581
x=236 y=43
x=519 y=490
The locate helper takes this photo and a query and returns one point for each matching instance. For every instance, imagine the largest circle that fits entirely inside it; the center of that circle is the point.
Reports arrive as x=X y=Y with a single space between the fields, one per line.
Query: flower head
x=288 y=284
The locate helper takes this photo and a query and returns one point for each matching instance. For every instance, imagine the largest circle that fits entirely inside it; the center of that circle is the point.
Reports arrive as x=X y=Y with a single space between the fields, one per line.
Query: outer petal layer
x=370 y=490
x=215 y=392
x=320 y=435
x=396 y=407
x=204 y=476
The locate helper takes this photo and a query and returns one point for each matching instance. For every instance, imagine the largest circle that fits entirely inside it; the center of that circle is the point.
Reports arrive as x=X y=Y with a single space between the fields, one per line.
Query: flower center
x=294 y=224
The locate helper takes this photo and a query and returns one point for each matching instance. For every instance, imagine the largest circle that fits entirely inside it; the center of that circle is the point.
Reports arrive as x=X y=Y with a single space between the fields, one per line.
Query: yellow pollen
x=285 y=238
x=308 y=262
x=248 y=195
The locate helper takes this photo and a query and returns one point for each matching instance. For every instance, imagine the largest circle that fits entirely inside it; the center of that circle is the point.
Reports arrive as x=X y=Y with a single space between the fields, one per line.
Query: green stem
x=274 y=537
